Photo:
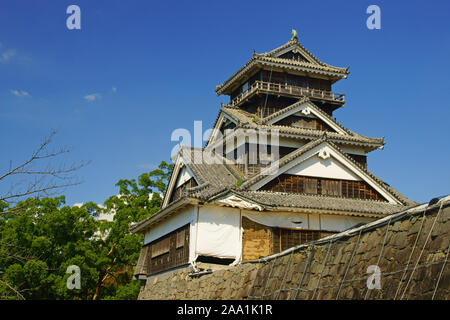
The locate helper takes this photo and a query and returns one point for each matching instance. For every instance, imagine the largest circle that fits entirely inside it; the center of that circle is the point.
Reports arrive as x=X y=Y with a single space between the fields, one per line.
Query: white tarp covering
x=278 y=219
x=176 y=221
x=219 y=232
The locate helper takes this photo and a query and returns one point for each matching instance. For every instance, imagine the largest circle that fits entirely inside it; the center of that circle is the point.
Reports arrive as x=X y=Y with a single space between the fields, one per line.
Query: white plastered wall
x=183 y=176
x=323 y=168
x=340 y=223
x=291 y=220
x=298 y=220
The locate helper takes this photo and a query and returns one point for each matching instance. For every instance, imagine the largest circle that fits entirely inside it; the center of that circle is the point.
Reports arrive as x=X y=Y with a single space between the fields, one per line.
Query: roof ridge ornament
x=306 y=111
x=324 y=154
x=294 y=35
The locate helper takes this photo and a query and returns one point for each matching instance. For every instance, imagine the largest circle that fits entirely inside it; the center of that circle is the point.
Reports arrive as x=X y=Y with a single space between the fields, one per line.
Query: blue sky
x=151 y=67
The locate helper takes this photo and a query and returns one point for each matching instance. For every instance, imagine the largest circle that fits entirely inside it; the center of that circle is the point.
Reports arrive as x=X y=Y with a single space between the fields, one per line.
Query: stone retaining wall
x=411 y=250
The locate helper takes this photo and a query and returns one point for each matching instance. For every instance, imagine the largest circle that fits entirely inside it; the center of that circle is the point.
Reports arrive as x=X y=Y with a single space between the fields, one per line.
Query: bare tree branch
x=47 y=179
x=34 y=189
x=36 y=176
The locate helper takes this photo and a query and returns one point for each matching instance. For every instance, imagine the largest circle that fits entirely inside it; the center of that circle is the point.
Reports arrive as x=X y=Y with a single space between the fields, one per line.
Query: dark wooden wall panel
x=181 y=190
x=324 y=186
x=286 y=238
x=172 y=250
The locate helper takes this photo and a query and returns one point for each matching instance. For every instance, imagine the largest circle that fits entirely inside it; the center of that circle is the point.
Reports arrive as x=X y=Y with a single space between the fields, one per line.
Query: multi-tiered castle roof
x=321 y=167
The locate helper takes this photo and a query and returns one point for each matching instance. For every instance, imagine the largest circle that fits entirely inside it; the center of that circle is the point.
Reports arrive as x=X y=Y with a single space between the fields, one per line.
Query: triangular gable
x=222 y=123
x=181 y=171
x=184 y=175
x=299 y=120
x=294 y=55
x=307 y=109
x=309 y=162
x=294 y=48
x=329 y=167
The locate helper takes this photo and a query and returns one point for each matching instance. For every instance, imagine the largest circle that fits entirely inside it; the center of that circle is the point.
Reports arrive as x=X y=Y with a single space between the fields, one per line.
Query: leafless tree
x=43 y=173
x=38 y=175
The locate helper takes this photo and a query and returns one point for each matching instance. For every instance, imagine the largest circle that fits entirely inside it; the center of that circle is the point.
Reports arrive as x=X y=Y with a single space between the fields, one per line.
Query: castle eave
x=277 y=64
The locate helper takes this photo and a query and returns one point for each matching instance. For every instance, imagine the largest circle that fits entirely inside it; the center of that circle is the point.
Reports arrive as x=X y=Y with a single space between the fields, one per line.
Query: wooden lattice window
x=180 y=238
x=169 y=251
x=330 y=187
x=310 y=185
x=286 y=238
x=161 y=247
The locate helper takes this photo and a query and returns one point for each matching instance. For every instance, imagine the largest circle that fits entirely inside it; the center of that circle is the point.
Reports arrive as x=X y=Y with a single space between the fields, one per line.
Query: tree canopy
x=43 y=237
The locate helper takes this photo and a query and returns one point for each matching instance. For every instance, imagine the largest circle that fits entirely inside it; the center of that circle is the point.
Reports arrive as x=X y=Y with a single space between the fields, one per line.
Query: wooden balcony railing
x=285 y=89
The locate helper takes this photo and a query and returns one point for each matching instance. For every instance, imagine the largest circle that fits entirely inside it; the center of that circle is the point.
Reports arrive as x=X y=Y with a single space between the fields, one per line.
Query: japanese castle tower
x=230 y=208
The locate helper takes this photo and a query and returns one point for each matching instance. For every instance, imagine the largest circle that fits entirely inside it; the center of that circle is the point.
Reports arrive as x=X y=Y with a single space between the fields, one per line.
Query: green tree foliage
x=43 y=238
x=38 y=244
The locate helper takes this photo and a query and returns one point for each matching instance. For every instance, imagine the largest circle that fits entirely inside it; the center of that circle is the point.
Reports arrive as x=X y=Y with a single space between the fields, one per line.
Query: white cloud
x=93 y=97
x=114 y=89
x=6 y=54
x=20 y=93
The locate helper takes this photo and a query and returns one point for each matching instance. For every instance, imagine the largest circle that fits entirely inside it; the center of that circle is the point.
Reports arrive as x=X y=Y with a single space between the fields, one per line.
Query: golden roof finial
x=294 y=35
